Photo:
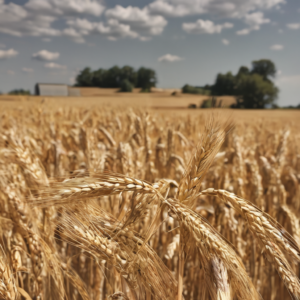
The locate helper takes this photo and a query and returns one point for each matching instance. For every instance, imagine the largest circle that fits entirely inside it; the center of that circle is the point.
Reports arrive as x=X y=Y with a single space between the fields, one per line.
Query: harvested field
x=110 y=198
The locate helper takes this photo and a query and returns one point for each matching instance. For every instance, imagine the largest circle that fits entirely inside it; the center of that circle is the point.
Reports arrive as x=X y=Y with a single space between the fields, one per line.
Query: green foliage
x=225 y=85
x=85 y=78
x=146 y=79
x=209 y=103
x=189 y=89
x=115 y=78
x=19 y=92
x=255 y=92
x=126 y=86
x=252 y=88
x=264 y=67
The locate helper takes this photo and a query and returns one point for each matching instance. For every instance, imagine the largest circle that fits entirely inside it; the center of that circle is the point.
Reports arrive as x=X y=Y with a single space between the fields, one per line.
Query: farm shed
x=47 y=89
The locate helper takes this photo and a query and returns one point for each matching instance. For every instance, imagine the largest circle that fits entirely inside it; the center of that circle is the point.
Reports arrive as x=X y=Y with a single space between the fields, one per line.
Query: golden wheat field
x=107 y=201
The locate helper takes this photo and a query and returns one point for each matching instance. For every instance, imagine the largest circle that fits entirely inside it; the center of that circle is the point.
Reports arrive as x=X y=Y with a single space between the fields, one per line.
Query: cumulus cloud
x=122 y=22
x=27 y=70
x=53 y=65
x=293 y=26
x=45 y=55
x=205 y=26
x=243 y=31
x=254 y=20
x=250 y=11
x=170 y=58
x=228 y=9
x=36 y=17
x=139 y=20
x=4 y=54
x=277 y=47
x=65 y=7
x=225 y=42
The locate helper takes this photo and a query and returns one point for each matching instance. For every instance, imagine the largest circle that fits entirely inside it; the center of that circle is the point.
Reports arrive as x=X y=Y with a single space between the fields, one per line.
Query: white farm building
x=48 y=89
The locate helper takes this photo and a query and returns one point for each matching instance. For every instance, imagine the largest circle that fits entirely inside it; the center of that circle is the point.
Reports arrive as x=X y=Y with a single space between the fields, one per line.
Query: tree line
x=252 y=88
x=125 y=78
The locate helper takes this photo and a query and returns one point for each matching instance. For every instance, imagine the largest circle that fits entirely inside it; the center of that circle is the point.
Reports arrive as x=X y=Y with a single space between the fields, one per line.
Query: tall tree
x=128 y=73
x=225 y=84
x=255 y=92
x=146 y=79
x=85 y=78
x=264 y=67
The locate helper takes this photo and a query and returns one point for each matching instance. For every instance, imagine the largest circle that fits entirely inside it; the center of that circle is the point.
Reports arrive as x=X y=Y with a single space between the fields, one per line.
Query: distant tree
x=255 y=92
x=115 y=76
x=126 y=86
x=128 y=73
x=252 y=88
x=85 y=78
x=112 y=78
x=243 y=71
x=97 y=78
x=146 y=79
x=264 y=67
x=19 y=92
x=189 y=89
x=225 y=85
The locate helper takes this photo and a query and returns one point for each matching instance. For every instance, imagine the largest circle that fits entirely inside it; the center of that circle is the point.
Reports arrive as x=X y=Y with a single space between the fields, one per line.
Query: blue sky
x=185 y=41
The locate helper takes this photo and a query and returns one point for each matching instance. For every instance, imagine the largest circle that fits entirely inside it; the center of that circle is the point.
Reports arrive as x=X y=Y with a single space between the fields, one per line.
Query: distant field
x=95 y=96
x=160 y=100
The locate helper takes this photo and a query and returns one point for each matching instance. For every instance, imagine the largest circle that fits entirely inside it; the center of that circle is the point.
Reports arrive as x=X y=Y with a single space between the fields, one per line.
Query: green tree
x=242 y=71
x=85 y=78
x=128 y=73
x=264 y=67
x=19 y=92
x=189 y=89
x=225 y=85
x=97 y=79
x=146 y=79
x=112 y=77
x=126 y=86
x=255 y=92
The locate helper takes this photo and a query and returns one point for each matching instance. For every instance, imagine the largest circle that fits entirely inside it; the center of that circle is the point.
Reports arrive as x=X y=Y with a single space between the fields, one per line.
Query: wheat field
x=114 y=202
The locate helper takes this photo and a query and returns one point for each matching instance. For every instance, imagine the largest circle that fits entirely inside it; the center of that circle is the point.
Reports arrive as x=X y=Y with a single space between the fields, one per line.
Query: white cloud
x=170 y=58
x=293 y=26
x=139 y=20
x=250 y=11
x=228 y=9
x=277 y=47
x=205 y=26
x=45 y=55
x=74 y=35
x=255 y=20
x=27 y=70
x=36 y=17
x=65 y=7
x=225 y=42
x=243 y=31
x=8 y=53
x=53 y=65
x=115 y=28
x=10 y=72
